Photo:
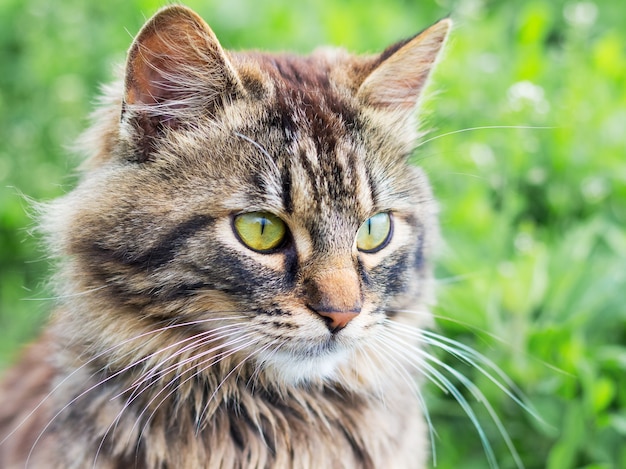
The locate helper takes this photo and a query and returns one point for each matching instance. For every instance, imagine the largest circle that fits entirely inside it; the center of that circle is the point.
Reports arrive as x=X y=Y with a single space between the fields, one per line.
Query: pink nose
x=337 y=320
x=335 y=295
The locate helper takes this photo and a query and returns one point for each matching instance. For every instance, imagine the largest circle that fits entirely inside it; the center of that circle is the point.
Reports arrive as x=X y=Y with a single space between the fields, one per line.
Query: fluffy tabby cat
x=244 y=267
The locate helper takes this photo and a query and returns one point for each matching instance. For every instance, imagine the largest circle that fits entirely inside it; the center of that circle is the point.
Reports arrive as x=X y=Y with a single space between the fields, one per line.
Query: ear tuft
x=398 y=81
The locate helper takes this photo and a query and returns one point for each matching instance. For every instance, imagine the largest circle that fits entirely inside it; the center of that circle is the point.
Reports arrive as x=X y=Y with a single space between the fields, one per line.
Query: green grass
x=533 y=267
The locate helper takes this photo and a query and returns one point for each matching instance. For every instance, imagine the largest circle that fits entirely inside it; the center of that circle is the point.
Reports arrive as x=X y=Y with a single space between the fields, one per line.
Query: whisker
x=64 y=297
x=408 y=379
x=206 y=407
x=468 y=355
x=152 y=373
x=402 y=346
x=477 y=330
x=268 y=158
x=94 y=358
x=484 y=127
x=257 y=369
x=138 y=391
x=478 y=395
x=106 y=352
x=198 y=371
x=196 y=357
x=362 y=354
x=441 y=317
x=204 y=338
x=473 y=358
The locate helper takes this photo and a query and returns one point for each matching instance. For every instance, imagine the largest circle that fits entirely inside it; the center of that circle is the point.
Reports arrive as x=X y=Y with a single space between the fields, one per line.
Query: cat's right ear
x=176 y=71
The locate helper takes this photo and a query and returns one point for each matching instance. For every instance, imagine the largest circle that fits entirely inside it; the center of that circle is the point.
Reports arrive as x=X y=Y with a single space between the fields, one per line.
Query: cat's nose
x=337 y=320
x=335 y=295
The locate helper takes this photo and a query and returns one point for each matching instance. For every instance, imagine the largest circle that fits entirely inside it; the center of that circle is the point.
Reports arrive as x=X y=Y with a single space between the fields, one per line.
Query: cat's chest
x=308 y=432
x=311 y=429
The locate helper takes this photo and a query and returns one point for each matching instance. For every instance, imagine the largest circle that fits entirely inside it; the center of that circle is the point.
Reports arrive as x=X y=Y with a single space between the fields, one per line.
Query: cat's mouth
x=305 y=363
x=299 y=360
x=327 y=346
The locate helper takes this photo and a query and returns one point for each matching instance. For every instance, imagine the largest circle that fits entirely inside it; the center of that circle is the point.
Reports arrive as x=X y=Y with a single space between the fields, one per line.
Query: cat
x=244 y=269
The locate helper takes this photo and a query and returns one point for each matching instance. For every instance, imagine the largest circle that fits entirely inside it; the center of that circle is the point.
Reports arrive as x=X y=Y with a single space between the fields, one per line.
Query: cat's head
x=268 y=197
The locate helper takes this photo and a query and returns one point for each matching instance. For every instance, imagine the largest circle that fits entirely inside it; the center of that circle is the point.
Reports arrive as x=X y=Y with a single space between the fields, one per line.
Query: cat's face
x=268 y=197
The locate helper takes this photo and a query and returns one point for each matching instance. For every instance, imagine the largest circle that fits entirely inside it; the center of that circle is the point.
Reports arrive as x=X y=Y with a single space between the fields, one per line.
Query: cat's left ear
x=401 y=72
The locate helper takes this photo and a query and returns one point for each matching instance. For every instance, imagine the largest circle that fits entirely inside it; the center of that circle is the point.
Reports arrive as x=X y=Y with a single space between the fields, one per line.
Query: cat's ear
x=401 y=72
x=175 y=67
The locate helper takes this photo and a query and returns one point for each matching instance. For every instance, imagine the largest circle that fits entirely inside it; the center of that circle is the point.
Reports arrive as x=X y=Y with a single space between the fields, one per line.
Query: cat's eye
x=374 y=233
x=260 y=231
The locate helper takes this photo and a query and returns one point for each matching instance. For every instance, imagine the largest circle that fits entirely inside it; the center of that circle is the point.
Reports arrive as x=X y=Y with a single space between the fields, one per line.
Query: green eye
x=260 y=231
x=375 y=233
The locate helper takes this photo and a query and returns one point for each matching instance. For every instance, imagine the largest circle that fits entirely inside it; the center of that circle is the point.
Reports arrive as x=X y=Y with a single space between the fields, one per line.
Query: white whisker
x=410 y=381
x=139 y=391
x=262 y=349
x=213 y=360
x=402 y=346
x=202 y=338
x=259 y=366
x=197 y=373
x=484 y=127
x=471 y=357
x=194 y=358
x=68 y=296
x=477 y=394
x=104 y=353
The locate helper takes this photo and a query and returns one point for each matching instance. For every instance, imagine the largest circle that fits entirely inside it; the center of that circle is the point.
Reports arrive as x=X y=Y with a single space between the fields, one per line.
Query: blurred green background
x=533 y=268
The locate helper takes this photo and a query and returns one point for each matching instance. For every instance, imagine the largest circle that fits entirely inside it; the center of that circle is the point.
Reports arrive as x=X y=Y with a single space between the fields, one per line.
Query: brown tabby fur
x=174 y=345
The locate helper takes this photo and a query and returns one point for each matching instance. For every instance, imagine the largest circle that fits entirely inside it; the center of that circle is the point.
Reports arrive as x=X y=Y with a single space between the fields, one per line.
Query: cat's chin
x=297 y=368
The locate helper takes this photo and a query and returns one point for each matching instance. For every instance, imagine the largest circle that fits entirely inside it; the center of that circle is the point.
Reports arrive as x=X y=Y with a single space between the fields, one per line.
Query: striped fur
x=174 y=345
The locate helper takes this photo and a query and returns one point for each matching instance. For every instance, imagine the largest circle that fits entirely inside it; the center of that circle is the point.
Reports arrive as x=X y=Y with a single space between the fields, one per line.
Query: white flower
x=527 y=94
